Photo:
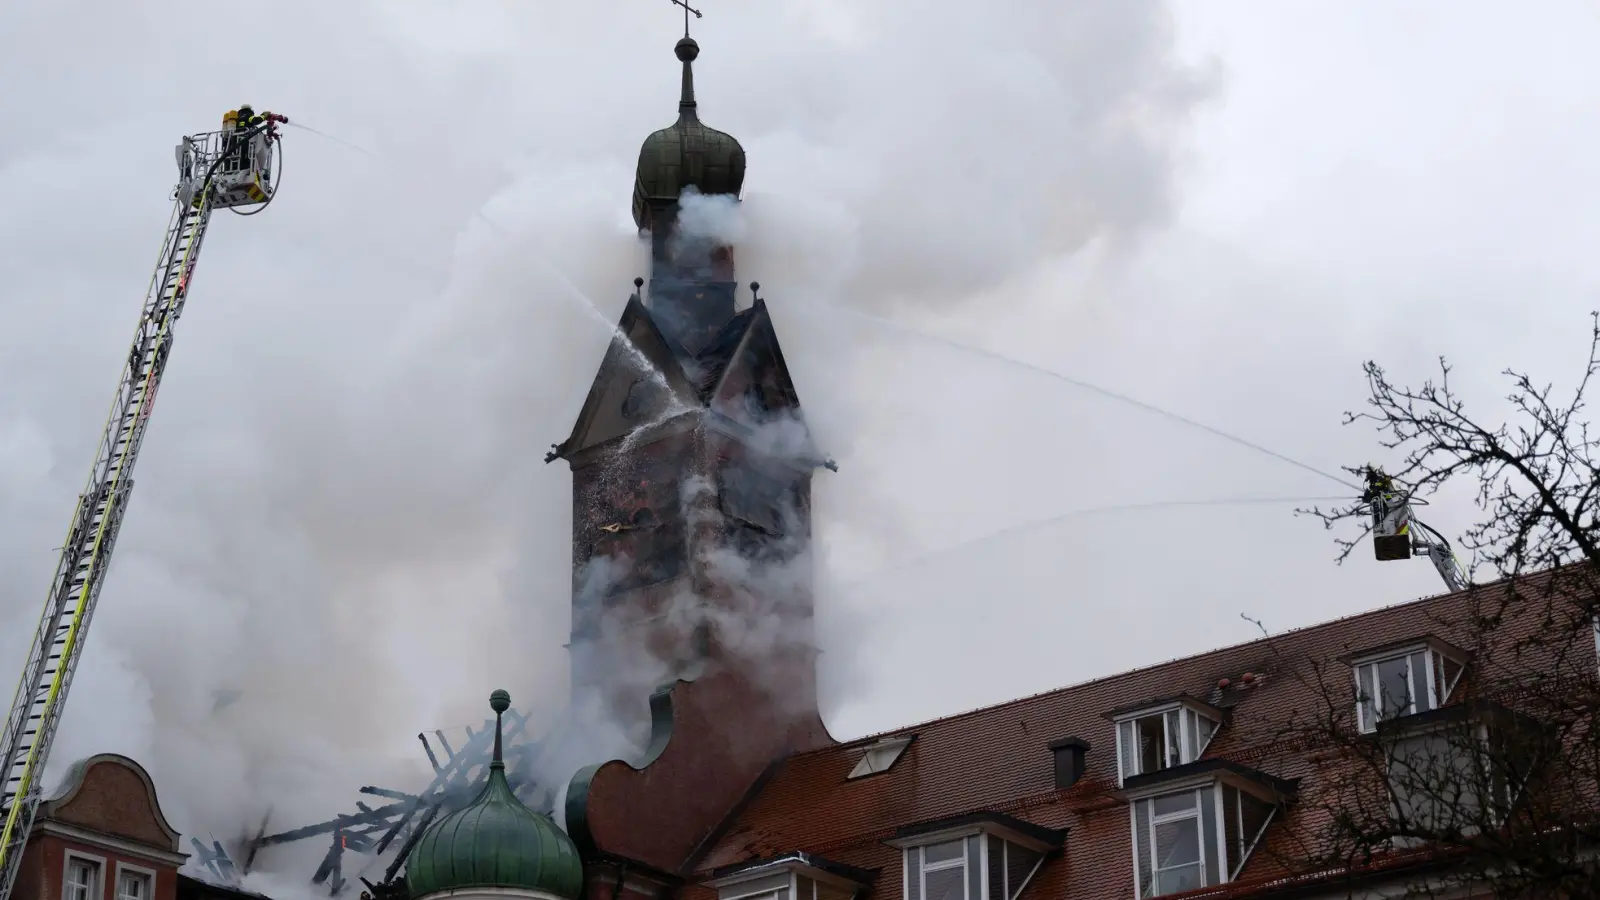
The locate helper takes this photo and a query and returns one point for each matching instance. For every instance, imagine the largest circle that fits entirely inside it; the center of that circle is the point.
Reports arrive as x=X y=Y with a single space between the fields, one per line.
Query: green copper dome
x=495 y=842
x=687 y=154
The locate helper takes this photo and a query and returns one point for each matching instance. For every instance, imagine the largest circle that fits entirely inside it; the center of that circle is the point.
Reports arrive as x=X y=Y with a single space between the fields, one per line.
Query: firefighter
x=241 y=148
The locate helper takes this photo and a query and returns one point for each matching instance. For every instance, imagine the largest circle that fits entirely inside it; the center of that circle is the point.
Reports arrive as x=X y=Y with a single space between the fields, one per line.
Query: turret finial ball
x=638 y=282
x=500 y=701
x=687 y=49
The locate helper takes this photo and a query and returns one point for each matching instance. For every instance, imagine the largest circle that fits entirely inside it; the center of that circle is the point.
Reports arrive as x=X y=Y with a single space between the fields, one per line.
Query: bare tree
x=1485 y=773
x=1538 y=478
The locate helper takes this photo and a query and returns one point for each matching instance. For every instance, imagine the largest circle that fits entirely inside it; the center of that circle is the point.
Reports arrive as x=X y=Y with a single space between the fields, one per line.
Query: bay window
x=1404 y=681
x=1199 y=829
x=988 y=856
x=1160 y=737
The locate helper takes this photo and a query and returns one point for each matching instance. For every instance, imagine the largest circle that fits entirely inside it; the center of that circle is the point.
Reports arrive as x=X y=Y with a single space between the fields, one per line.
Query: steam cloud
x=342 y=512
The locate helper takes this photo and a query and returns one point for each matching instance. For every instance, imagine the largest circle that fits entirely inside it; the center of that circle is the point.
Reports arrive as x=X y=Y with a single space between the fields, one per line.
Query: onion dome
x=686 y=154
x=495 y=842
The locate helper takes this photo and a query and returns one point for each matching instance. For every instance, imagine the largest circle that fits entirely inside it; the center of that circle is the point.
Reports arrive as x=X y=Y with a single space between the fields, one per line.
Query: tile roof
x=998 y=759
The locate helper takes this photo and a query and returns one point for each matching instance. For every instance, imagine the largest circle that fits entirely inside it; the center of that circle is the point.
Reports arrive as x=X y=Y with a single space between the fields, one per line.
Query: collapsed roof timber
x=371 y=831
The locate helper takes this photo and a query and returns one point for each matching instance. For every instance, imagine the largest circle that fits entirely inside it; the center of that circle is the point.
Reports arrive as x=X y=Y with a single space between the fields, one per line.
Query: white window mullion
x=1155 y=855
x=1123 y=776
x=1435 y=694
x=1411 y=686
x=1375 y=705
x=984 y=863
x=1133 y=829
x=1364 y=707
x=1220 y=812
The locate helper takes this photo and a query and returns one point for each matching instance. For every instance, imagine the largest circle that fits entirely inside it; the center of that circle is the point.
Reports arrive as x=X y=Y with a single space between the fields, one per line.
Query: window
x=772 y=887
x=794 y=879
x=979 y=866
x=880 y=756
x=1195 y=838
x=133 y=884
x=1160 y=738
x=812 y=889
x=638 y=397
x=1448 y=781
x=753 y=497
x=83 y=879
x=1404 y=682
x=1011 y=867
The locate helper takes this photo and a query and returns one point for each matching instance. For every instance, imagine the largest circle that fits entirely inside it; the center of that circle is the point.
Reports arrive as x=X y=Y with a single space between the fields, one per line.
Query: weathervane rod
x=686 y=10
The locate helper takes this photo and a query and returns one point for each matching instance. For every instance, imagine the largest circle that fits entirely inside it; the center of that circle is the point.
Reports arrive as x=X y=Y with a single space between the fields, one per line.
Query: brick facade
x=105 y=814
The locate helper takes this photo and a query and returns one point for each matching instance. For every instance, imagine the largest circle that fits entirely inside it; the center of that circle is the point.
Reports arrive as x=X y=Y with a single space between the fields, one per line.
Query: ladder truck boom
x=227 y=169
x=1397 y=534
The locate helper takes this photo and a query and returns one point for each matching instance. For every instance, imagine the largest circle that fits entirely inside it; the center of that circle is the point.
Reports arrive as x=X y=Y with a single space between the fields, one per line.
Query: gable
x=113 y=795
x=639 y=380
x=756 y=391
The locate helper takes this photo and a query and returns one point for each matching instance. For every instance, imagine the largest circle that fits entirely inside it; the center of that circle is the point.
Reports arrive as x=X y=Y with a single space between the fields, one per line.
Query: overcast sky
x=1220 y=208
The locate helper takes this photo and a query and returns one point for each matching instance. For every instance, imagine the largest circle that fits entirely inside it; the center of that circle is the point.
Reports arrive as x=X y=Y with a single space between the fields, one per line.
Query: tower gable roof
x=640 y=361
x=755 y=391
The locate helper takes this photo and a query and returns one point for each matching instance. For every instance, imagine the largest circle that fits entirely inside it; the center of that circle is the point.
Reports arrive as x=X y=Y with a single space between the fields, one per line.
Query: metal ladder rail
x=35 y=713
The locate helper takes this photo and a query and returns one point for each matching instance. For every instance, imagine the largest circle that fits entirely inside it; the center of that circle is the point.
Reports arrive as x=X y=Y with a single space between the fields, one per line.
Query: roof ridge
x=1304 y=629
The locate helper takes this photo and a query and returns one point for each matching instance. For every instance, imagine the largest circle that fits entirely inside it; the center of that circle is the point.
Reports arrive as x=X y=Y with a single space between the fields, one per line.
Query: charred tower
x=691 y=461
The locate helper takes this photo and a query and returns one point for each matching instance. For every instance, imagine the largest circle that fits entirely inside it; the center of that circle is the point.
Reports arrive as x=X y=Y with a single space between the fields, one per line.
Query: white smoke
x=342 y=511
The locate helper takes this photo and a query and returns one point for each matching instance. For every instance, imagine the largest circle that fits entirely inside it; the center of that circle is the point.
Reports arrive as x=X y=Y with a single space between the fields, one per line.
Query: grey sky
x=1221 y=209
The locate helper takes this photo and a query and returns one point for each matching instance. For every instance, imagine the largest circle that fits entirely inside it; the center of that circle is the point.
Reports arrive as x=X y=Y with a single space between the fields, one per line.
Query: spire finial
x=686 y=10
x=686 y=51
x=499 y=701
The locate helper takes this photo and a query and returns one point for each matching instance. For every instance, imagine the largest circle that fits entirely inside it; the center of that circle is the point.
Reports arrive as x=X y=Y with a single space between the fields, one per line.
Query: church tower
x=691 y=461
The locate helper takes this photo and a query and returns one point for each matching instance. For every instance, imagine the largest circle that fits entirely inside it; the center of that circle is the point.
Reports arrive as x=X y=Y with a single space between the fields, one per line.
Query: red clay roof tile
x=997 y=759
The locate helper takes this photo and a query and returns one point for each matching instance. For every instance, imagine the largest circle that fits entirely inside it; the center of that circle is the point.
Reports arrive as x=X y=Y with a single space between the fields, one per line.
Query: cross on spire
x=686 y=10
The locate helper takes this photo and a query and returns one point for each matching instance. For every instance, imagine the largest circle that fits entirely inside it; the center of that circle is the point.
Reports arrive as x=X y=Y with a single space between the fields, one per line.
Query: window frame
x=1487 y=731
x=969 y=842
x=148 y=875
x=1192 y=814
x=760 y=886
x=1199 y=787
x=981 y=832
x=984 y=841
x=1365 y=668
x=97 y=866
x=1596 y=620
x=1188 y=711
x=785 y=876
x=897 y=745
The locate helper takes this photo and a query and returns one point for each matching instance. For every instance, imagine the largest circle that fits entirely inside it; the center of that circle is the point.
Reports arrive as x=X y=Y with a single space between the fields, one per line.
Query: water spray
x=1074 y=514
x=590 y=308
x=1105 y=392
x=326 y=136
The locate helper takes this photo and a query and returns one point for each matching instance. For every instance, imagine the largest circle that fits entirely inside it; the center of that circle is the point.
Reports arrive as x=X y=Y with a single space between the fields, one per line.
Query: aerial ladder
x=1398 y=534
x=227 y=169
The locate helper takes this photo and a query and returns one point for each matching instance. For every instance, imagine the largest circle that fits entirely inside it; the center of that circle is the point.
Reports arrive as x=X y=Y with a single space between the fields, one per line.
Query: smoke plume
x=342 y=514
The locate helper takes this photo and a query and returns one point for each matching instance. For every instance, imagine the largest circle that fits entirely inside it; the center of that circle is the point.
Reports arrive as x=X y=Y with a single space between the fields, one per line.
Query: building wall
x=44 y=867
x=107 y=813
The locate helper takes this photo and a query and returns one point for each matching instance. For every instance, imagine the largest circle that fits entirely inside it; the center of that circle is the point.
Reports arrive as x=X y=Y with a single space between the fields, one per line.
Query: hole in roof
x=878 y=757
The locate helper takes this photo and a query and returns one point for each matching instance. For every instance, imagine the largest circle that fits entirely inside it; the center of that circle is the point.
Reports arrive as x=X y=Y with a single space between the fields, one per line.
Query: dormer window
x=1164 y=735
x=879 y=756
x=792 y=876
x=1404 y=680
x=1196 y=825
x=985 y=856
x=1459 y=770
